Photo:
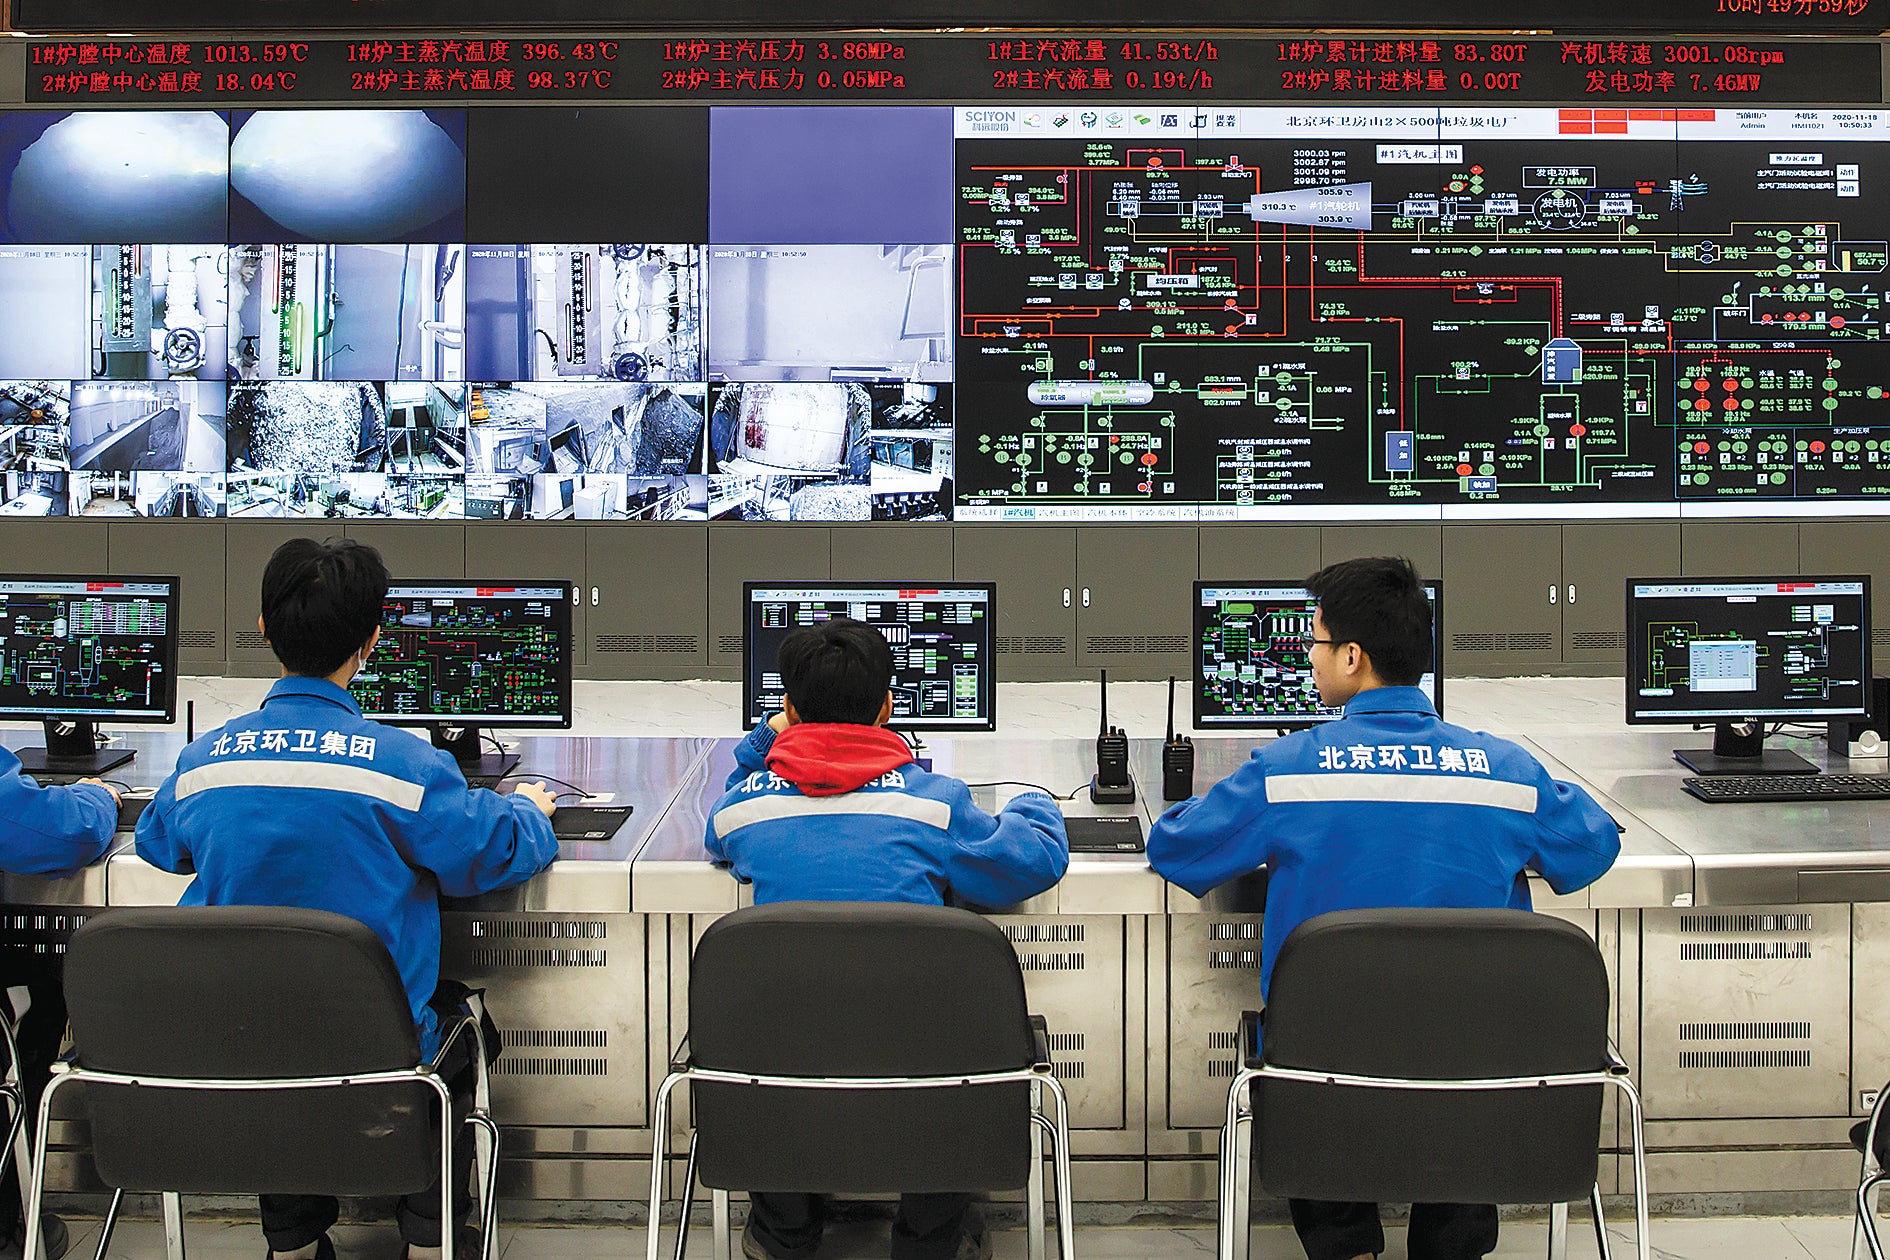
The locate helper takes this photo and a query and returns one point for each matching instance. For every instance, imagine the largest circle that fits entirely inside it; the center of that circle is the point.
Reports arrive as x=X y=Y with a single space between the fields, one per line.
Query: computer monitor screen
x=1250 y=666
x=1732 y=648
x=944 y=673
x=466 y=653
x=88 y=648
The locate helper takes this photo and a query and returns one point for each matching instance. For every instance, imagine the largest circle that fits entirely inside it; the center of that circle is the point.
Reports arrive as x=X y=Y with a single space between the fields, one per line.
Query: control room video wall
x=926 y=312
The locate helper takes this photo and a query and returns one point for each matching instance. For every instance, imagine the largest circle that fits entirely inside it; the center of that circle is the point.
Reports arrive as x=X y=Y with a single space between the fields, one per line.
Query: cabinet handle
x=1086 y=597
x=593 y=597
x=1571 y=592
x=1066 y=597
x=1551 y=592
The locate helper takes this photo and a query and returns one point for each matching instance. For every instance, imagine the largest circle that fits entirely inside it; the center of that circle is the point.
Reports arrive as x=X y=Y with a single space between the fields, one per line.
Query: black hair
x=837 y=671
x=320 y=602
x=1379 y=604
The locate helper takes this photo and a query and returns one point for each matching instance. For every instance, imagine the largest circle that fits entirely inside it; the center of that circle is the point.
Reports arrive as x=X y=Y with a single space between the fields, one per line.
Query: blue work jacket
x=51 y=830
x=307 y=803
x=1389 y=806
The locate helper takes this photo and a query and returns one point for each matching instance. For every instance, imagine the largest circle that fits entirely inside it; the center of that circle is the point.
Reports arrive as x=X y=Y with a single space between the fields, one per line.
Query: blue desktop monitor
x=77 y=650
x=941 y=634
x=1745 y=652
x=1250 y=666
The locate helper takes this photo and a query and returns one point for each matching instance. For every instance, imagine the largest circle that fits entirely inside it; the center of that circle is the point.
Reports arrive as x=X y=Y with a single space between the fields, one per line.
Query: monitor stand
x=72 y=748
x=475 y=763
x=1739 y=748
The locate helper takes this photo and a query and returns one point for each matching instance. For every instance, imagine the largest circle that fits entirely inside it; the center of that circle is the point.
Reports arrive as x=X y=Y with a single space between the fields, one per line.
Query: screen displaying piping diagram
x=470 y=655
x=78 y=653
x=1229 y=313
x=1800 y=658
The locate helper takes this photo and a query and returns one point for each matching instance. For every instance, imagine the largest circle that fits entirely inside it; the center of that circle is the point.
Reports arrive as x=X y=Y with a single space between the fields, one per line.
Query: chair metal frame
x=486 y=1136
x=1236 y=1156
x=13 y=1089
x=1040 y=1075
x=1864 y=1239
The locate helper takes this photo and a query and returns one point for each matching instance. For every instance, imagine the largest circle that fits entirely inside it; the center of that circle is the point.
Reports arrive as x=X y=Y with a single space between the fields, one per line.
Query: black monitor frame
x=1739 y=736
x=72 y=740
x=1433 y=587
x=841 y=589
x=461 y=734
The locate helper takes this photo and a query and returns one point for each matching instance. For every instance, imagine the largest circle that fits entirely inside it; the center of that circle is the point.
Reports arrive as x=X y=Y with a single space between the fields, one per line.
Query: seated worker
x=799 y=821
x=48 y=830
x=1389 y=806
x=307 y=803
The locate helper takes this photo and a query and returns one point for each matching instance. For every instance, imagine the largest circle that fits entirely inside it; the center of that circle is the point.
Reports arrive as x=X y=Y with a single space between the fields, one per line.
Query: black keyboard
x=128 y=810
x=588 y=822
x=1105 y=833
x=1722 y=789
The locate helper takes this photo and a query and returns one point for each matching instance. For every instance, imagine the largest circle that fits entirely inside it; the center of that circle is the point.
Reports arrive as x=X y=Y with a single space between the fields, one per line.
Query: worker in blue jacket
x=1389 y=806
x=50 y=830
x=826 y=804
x=307 y=803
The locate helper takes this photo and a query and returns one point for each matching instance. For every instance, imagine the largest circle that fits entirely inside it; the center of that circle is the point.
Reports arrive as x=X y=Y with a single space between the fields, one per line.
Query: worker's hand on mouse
x=117 y=797
x=539 y=795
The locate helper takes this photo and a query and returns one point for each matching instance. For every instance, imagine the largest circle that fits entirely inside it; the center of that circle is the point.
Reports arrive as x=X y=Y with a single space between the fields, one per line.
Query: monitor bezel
x=749 y=721
x=564 y=719
x=1632 y=661
x=1434 y=585
x=169 y=662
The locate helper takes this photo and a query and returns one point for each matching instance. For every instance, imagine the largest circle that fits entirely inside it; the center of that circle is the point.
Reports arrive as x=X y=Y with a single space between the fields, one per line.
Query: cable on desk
x=532 y=777
x=1035 y=787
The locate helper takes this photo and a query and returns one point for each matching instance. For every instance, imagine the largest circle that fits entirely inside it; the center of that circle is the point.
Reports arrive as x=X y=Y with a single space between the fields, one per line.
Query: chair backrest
x=853 y=989
x=1434 y=995
x=247 y=993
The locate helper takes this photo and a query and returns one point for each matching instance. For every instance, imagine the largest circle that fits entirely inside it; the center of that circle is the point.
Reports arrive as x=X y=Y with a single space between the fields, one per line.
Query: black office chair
x=1428 y=1056
x=253 y=1050
x=862 y=1048
x=1872 y=1139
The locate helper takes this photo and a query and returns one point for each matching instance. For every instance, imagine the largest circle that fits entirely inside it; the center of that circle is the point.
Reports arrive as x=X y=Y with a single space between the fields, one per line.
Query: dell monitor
x=944 y=673
x=75 y=651
x=1742 y=652
x=1251 y=670
x=456 y=655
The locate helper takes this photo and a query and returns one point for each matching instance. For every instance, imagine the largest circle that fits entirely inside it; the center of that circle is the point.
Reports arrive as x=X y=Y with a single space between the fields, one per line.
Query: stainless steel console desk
x=1744 y=943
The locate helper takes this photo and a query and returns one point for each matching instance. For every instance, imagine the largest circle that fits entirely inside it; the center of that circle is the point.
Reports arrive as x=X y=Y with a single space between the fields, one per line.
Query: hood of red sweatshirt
x=828 y=758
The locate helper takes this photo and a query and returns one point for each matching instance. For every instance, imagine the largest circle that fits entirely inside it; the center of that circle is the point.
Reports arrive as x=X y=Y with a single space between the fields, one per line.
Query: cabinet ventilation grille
x=1032 y=644
x=1071 y=1071
x=1029 y=933
x=1744 y=951
x=510 y=1065
x=1051 y=962
x=1538 y=642
x=44 y=934
x=670 y=643
x=502 y=957
x=1745 y=923
x=1598 y=641
x=1233 y=931
x=250 y=639
x=197 y=640
x=1066 y=1041
x=1238 y=959
x=1220 y=1067
x=539 y=929
x=1790 y=1030
x=729 y=644
x=1740 y=1058
x=1223 y=1040
x=556 y=1038
x=1096 y=643
x=1880 y=638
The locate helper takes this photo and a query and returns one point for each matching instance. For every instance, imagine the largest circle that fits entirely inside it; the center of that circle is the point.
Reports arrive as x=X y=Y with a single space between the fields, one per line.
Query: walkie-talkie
x=1177 y=757
x=1112 y=784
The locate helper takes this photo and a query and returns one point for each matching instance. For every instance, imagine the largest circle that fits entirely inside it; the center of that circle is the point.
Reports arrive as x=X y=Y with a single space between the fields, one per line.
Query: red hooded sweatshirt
x=828 y=758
